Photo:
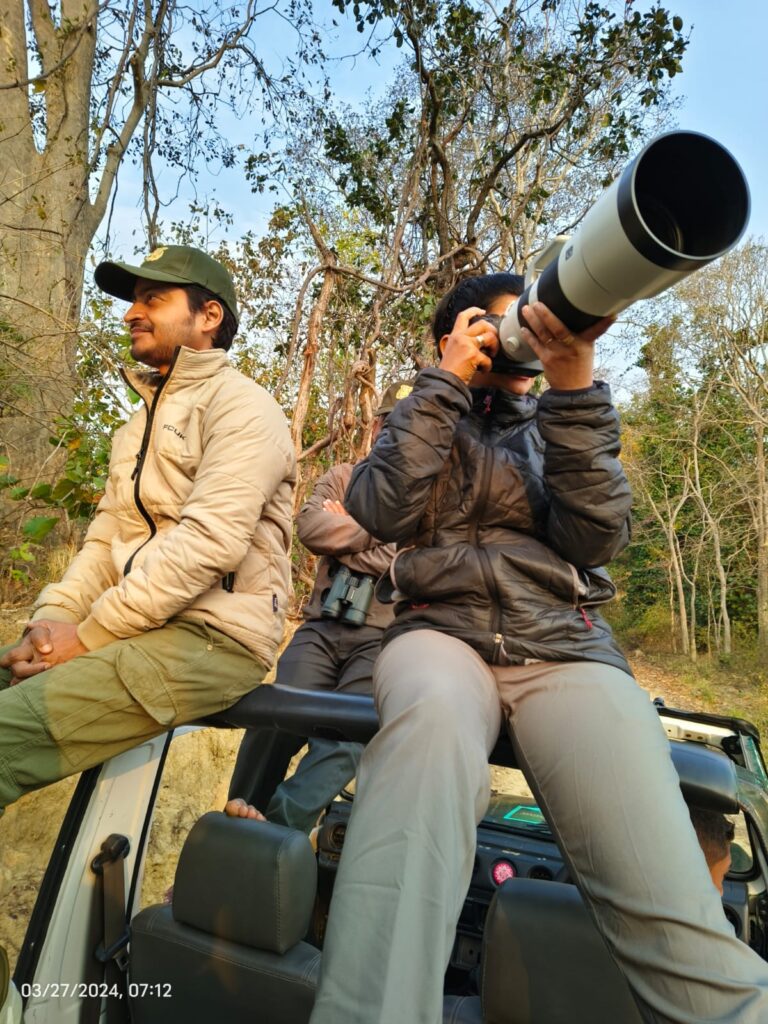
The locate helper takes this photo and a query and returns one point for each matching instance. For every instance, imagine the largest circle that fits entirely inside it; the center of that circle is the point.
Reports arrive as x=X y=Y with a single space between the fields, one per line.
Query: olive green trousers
x=81 y=713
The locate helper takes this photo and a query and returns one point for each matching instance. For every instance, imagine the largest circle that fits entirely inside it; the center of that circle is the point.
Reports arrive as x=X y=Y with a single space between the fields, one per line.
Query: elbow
x=222 y=552
x=391 y=536
x=605 y=553
x=592 y=547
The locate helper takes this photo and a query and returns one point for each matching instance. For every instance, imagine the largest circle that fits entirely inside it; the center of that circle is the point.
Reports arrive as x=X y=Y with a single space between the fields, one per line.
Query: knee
x=9 y=788
x=429 y=700
x=434 y=734
x=452 y=700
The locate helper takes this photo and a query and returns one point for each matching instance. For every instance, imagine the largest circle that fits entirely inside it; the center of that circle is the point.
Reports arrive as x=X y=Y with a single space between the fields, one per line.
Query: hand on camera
x=469 y=347
x=568 y=359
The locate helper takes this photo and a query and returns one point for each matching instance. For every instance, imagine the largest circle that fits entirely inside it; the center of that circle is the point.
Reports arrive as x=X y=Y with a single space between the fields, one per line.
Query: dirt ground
x=194 y=782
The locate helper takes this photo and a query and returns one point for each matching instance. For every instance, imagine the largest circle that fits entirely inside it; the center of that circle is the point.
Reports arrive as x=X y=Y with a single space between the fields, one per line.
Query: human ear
x=213 y=312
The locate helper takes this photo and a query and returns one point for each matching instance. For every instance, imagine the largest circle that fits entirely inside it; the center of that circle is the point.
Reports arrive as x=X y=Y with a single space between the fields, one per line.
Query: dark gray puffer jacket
x=503 y=508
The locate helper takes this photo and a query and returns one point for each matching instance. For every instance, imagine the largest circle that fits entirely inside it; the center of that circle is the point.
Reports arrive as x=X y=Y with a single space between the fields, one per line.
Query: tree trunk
x=48 y=221
x=677 y=576
x=725 y=619
x=38 y=312
x=310 y=358
x=762 y=544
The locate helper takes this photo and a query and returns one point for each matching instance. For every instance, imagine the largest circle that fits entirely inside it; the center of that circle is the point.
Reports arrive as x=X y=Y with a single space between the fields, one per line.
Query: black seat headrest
x=250 y=882
x=707 y=776
x=544 y=962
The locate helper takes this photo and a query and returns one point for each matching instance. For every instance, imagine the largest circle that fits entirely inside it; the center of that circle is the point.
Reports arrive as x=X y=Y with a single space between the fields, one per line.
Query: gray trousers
x=598 y=761
x=323 y=654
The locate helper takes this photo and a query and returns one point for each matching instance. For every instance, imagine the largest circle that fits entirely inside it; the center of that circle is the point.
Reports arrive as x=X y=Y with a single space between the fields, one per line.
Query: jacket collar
x=503 y=408
x=188 y=367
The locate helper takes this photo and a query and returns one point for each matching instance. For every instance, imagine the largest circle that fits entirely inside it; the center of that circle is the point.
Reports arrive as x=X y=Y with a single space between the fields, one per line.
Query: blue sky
x=723 y=92
x=724 y=86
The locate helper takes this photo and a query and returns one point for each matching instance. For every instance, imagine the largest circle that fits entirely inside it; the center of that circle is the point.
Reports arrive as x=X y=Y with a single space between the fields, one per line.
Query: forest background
x=350 y=161
x=498 y=127
x=490 y=129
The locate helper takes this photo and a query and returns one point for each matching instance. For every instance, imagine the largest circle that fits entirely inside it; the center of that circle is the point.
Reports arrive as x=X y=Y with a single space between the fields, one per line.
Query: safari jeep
x=240 y=937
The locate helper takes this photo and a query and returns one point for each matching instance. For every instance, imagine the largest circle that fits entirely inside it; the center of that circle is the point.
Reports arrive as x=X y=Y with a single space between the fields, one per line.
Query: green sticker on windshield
x=529 y=814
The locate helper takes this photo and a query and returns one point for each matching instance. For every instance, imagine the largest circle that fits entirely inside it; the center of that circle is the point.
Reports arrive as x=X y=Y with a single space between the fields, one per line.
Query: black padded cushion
x=462 y=1010
x=249 y=882
x=707 y=776
x=544 y=961
x=183 y=976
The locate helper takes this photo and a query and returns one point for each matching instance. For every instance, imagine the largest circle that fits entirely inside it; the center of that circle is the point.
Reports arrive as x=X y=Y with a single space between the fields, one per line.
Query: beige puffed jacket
x=195 y=521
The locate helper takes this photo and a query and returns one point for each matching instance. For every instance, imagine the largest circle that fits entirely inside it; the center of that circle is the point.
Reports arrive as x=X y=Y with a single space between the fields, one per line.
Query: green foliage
x=646 y=628
x=359 y=177
x=19 y=557
x=37 y=528
x=83 y=438
x=695 y=442
x=18 y=561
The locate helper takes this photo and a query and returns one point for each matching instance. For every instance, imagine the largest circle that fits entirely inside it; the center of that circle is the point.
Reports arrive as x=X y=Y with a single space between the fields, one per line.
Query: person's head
x=397 y=389
x=715 y=833
x=493 y=293
x=179 y=296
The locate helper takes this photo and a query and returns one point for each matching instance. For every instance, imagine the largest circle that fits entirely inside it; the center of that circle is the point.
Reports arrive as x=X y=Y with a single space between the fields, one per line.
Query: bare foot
x=238 y=808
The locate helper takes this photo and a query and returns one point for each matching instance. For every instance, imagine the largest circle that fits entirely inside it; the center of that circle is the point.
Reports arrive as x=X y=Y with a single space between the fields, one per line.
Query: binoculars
x=349 y=597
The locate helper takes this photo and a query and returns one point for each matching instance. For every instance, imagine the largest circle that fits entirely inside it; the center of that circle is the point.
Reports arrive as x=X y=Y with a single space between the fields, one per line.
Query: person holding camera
x=504 y=507
x=335 y=649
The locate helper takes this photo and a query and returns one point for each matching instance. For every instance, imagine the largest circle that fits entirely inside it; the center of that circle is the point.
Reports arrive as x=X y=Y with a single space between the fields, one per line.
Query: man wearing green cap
x=334 y=649
x=174 y=606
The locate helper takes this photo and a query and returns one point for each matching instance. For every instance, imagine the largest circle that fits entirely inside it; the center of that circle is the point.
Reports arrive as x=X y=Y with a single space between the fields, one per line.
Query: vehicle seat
x=229 y=947
x=544 y=962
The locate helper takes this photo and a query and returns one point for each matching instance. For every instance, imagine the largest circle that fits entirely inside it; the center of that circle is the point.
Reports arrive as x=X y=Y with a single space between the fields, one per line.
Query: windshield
x=512 y=804
x=741 y=848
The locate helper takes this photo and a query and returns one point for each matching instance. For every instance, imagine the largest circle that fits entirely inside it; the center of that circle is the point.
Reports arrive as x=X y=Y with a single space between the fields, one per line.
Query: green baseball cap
x=397 y=389
x=171 y=264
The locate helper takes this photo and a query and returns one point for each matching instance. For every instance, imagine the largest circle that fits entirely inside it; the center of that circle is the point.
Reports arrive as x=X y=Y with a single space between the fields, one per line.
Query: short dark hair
x=473 y=291
x=714 y=831
x=197 y=296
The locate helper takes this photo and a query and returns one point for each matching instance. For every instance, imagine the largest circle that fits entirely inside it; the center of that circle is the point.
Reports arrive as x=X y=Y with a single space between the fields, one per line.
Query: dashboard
x=512 y=841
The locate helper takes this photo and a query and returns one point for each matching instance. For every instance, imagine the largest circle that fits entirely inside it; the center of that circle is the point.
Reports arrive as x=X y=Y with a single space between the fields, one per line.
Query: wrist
x=455 y=372
x=581 y=383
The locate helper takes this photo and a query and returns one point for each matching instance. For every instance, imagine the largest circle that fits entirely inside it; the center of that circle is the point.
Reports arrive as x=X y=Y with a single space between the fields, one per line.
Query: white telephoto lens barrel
x=680 y=204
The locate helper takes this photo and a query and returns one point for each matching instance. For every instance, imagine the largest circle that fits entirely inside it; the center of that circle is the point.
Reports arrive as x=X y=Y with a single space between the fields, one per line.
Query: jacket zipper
x=587 y=621
x=140 y=457
x=577 y=595
x=482 y=554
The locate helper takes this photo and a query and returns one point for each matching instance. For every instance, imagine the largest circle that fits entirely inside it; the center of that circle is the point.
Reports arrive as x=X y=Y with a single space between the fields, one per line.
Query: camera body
x=349 y=596
x=501 y=363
